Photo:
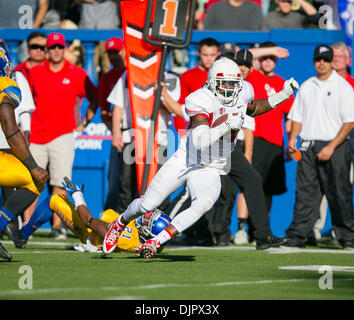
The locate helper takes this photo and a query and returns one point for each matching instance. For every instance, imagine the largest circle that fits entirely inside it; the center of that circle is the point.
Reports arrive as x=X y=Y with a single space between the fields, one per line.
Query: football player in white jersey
x=216 y=112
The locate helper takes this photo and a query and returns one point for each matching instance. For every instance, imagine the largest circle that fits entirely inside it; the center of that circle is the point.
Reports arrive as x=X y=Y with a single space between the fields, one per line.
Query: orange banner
x=143 y=61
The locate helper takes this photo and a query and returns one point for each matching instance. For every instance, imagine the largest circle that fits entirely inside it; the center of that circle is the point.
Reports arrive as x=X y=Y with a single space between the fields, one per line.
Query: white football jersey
x=204 y=102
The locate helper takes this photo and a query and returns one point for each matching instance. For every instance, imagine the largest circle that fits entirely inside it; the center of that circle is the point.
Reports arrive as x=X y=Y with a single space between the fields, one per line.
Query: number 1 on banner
x=168 y=27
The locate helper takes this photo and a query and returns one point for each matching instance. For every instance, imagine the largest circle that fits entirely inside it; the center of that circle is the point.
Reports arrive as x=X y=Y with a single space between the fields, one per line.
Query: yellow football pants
x=14 y=174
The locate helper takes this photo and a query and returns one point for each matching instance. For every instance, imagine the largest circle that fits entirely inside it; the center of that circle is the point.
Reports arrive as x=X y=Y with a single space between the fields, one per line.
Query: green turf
x=192 y=273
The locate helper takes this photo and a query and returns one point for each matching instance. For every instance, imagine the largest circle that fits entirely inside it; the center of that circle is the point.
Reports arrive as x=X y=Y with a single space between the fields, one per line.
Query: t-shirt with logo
x=55 y=95
x=269 y=126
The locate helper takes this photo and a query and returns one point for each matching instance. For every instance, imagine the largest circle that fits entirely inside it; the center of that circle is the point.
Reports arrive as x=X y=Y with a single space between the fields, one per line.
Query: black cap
x=323 y=51
x=228 y=47
x=244 y=58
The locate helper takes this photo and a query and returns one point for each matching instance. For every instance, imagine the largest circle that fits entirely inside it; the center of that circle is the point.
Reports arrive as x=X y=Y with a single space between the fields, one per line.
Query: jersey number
x=127 y=233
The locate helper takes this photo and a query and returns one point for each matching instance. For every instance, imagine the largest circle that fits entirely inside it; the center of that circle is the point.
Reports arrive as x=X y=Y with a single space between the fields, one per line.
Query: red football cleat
x=111 y=239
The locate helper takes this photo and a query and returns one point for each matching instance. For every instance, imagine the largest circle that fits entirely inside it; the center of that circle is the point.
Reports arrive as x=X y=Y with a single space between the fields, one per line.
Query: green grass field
x=179 y=273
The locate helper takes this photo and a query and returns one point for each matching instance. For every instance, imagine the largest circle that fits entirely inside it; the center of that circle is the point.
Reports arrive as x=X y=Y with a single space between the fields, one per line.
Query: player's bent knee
x=202 y=204
x=145 y=206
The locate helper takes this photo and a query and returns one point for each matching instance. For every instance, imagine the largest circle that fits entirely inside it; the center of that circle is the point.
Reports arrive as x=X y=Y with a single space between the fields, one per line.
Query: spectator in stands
x=116 y=55
x=15 y=10
x=340 y=63
x=284 y=18
x=98 y=14
x=36 y=46
x=56 y=85
x=233 y=15
x=323 y=117
x=24 y=15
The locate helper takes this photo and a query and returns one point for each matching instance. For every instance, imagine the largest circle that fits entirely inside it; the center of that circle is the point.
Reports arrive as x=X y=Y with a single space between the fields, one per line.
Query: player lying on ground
x=216 y=111
x=91 y=231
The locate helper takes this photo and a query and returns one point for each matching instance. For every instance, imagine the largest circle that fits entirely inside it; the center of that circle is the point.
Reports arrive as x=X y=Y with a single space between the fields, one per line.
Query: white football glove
x=288 y=89
x=290 y=86
x=235 y=122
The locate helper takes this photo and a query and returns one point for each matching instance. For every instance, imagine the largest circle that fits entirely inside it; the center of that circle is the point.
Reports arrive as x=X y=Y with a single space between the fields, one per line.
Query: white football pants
x=203 y=184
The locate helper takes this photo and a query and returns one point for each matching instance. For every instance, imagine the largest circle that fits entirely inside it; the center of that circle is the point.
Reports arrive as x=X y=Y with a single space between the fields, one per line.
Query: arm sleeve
x=203 y=136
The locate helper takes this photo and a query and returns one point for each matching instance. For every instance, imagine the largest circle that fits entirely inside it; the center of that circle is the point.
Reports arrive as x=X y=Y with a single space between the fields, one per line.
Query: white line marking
x=153 y=286
x=317 y=267
x=281 y=250
x=298 y=250
x=45 y=243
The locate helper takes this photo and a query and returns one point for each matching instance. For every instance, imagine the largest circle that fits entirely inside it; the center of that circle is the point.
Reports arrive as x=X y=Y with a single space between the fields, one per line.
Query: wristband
x=78 y=198
x=30 y=163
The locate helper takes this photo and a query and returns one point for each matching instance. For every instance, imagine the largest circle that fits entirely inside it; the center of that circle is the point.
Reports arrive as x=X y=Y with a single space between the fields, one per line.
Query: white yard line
x=317 y=268
x=281 y=250
x=151 y=286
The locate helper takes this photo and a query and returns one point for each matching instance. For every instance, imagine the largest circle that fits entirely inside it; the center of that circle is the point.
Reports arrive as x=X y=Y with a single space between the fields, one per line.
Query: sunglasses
x=326 y=59
x=273 y=58
x=36 y=46
x=56 y=46
x=286 y=1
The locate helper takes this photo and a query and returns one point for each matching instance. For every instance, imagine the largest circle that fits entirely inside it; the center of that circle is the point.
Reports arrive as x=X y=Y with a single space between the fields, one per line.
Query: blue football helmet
x=151 y=224
x=5 y=63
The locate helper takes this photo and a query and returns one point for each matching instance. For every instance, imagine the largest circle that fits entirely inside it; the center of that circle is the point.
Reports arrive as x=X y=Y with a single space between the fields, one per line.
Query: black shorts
x=268 y=160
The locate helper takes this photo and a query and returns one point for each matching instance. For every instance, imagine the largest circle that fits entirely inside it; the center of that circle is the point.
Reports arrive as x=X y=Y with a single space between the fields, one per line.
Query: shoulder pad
x=200 y=102
x=9 y=88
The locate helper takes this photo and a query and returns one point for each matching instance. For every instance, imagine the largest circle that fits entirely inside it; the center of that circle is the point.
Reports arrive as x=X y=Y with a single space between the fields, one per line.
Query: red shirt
x=23 y=68
x=269 y=126
x=105 y=86
x=350 y=79
x=190 y=81
x=55 y=95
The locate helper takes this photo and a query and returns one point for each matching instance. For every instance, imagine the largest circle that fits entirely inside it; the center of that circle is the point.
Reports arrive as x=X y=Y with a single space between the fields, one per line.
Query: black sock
x=242 y=223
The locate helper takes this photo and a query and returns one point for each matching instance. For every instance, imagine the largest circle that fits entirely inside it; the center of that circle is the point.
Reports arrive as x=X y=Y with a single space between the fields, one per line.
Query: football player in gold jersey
x=18 y=169
x=91 y=231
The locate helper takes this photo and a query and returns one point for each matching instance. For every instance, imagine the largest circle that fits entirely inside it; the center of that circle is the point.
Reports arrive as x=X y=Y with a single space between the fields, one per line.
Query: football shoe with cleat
x=112 y=236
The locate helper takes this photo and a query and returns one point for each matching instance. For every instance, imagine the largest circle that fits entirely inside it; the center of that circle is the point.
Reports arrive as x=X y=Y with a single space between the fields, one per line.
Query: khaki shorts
x=58 y=155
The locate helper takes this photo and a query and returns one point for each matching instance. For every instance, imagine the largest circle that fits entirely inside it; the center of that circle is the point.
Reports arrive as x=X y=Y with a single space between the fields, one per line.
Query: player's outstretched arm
x=17 y=141
x=98 y=226
x=260 y=106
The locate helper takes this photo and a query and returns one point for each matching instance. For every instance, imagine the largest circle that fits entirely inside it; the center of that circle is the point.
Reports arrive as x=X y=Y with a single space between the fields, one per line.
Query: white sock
x=163 y=236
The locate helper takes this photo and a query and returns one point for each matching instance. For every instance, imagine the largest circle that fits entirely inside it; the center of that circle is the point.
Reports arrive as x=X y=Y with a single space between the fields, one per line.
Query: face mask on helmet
x=225 y=81
x=5 y=64
x=151 y=224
